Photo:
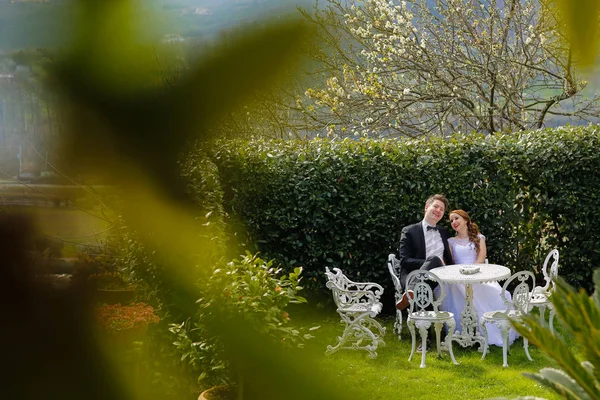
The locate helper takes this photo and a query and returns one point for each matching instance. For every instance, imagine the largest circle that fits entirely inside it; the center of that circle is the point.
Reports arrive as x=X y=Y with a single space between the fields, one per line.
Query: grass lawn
x=392 y=376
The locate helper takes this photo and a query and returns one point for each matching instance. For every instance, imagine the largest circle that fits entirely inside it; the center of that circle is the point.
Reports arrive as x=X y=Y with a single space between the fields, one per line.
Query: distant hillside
x=30 y=25
x=27 y=25
x=207 y=18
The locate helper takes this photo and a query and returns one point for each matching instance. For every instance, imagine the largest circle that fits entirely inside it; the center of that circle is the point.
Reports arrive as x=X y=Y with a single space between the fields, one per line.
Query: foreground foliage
x=581 y=316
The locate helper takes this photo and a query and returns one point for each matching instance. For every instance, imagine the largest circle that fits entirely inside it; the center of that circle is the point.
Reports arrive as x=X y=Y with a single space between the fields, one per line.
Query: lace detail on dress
x=465 y=241
x=463 y=250
x=460 y=242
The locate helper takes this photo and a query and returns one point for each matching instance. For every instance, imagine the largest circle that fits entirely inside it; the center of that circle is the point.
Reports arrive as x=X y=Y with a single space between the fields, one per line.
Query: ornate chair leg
x=552 y=320
x=400 y=320
x=526 y=347
x=438 y=334
x=398 y=324
x=380 y=328
x=411 y=328
x=341 y=340
x=367 y=333
x=542 y=314
x=371 y=351
x=504 y=331
x=451 y=325
x=482 y=323
x=423 y=331
x=369 y=325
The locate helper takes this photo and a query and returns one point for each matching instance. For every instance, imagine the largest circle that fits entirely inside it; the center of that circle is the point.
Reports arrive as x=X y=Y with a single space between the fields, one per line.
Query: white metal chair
x=393 y=265
x=540 y=296
x=422 y=319
x=357 y=303
x=515 y=308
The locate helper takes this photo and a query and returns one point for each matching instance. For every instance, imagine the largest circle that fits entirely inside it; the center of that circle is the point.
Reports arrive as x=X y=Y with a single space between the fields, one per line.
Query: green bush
x=247 y=292
x=342 y=203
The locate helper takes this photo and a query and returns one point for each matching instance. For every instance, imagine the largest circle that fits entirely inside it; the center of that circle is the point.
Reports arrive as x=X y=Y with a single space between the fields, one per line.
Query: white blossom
x=398 y=58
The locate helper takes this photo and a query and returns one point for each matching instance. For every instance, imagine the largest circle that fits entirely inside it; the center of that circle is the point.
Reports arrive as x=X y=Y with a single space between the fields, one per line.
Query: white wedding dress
x=486 y=296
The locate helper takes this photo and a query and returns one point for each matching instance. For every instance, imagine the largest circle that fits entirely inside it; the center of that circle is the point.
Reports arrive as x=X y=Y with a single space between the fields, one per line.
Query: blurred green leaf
x=580 y=315
x=130 y=122
x=581 y=19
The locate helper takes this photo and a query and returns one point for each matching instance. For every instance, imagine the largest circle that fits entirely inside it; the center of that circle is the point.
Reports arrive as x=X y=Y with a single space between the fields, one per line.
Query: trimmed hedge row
x=342 y=203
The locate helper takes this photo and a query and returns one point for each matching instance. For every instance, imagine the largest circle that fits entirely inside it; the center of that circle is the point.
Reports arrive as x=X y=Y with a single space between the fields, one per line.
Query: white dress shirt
x=434 y=245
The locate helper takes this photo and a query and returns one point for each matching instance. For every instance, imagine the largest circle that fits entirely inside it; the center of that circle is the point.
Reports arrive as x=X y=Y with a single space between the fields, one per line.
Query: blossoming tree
x=422 y=67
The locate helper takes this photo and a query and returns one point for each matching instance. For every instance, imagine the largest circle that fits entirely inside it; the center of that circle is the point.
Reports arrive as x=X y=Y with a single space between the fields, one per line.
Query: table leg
x=468 y=316
x=468 y=319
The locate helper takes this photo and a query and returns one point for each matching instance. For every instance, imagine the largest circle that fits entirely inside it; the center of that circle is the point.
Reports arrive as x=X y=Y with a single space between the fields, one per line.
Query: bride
x=468 y=247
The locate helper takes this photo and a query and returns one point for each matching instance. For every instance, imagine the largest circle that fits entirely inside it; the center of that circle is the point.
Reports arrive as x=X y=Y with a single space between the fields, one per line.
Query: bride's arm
x=482 y=251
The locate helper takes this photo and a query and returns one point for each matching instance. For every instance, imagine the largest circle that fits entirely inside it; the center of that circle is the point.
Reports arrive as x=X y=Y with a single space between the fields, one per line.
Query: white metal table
x=451 y=274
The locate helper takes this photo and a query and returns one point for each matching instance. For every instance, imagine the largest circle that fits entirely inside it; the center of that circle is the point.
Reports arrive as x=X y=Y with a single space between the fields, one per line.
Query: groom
x=424 y=245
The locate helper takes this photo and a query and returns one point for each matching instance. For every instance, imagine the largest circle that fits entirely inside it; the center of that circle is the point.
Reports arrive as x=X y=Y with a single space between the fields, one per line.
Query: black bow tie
x=431 y=228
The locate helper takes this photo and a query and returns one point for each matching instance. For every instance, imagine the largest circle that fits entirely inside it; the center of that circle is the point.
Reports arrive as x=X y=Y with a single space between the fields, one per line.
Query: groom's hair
x=439 y=197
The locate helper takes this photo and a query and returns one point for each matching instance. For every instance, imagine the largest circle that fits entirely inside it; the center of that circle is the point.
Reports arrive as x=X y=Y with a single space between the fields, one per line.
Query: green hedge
x=342 y=203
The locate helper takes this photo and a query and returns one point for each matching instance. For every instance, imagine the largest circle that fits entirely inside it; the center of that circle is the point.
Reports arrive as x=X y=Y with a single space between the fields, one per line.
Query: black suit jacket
x=412 y=249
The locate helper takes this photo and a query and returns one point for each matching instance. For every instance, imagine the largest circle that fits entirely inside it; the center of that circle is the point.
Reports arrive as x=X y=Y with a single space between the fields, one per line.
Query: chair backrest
x=521 y=294
x=421 y=282
x=393 y=265
x=337 y=280
x=346 y=292
x=550 y=273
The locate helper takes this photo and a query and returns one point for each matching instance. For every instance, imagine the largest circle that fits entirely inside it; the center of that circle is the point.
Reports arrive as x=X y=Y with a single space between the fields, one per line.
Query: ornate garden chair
x=422 y=319
x=357 y=304
x=394 y=267
x=540 y=296
x=515 y=308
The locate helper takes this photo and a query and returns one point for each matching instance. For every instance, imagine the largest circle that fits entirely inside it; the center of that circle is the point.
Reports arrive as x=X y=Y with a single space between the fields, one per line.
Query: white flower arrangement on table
x=469 y=269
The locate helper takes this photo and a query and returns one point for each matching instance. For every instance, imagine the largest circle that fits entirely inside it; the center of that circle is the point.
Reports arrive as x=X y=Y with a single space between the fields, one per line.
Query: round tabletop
x=487 y=273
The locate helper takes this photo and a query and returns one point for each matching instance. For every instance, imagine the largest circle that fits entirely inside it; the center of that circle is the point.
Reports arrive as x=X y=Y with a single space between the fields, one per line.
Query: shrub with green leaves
x=253 y=289
x=248 y=292
x=342 y=203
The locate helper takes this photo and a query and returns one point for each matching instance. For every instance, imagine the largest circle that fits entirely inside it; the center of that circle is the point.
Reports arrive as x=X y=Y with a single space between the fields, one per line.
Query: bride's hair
x=472 y=228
